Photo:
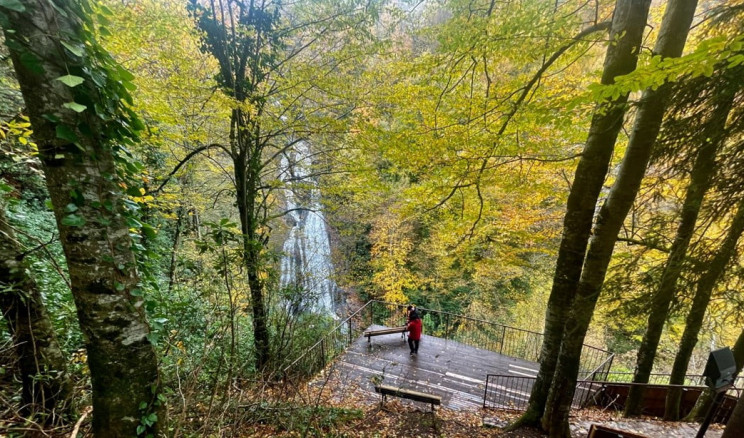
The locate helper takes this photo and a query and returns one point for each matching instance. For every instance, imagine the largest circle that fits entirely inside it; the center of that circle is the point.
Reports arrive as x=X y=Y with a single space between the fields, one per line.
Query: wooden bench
x=368 y=334
x=597 y=431
x=386 y=390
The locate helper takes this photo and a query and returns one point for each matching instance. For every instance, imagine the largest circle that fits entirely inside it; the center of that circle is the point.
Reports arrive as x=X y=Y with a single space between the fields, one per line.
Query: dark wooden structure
x=410 y=394
x=388 y=331
x=599 y=431
x=614 y=395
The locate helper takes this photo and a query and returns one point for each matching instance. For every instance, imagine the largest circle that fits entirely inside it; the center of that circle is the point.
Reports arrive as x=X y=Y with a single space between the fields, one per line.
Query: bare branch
x=188 y=157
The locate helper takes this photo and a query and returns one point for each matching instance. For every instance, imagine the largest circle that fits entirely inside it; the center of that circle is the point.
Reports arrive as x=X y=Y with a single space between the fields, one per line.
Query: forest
x=194 y=193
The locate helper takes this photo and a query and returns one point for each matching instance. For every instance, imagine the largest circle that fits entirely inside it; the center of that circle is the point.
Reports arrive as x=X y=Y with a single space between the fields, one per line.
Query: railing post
x=485 y=394
x=503 y=335
x=446 y=330
x=350 y=334
x=322 y=353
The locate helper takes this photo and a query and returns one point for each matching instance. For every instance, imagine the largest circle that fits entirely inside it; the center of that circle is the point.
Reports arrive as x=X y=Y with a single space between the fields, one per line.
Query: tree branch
x=184 y=161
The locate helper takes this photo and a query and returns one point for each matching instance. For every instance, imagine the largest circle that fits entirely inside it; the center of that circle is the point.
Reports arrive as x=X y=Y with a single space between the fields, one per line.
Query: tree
x=75 y=94
x=694 y=320
x=255 y=46
x=698 y=412
x=43 y=367
x=628 y=24
x=735 y=425
x=700 y=181
x=671 y=41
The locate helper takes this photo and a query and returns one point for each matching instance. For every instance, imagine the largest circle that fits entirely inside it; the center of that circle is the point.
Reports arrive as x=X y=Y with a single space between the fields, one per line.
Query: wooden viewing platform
x=452 y=370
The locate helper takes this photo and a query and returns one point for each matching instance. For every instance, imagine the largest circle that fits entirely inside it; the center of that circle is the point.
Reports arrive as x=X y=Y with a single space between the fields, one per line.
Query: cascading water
x=306 y=263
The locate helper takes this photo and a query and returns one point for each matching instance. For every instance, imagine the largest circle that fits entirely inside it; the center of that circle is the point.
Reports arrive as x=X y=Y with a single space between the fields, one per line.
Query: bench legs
x=384 y=399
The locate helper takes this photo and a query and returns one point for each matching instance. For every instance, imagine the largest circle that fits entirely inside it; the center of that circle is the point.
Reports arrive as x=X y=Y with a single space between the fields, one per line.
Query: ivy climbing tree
x=259 y=46
x=77 y=100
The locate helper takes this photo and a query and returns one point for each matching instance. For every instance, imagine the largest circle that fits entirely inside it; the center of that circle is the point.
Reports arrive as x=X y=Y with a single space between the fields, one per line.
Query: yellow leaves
x=79 y=356
x=143 y=199
x=392 y=244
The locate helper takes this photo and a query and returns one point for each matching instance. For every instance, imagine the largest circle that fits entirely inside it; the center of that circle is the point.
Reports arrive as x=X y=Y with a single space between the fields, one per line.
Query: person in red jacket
x=414 y=332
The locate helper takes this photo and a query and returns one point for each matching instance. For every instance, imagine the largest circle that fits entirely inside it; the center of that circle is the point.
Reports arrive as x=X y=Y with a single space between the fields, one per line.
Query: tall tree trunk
x=699 y=305
x=628 y=22
x=247 y=175
x=706 y=397
x=244 y=67
x=77 y=159
x=46 y=384
x=735 y=425
x=700 y=181
x=672 y=36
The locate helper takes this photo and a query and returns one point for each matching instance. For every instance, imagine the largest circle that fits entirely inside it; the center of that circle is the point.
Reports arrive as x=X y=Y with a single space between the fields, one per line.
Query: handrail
x=591 y=373
x=655 y=378
x=443 y=312
x=339 y=326
x=500 y=338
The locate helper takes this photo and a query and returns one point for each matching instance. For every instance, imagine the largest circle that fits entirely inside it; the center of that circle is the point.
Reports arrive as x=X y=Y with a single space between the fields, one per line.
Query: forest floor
x=395 y=419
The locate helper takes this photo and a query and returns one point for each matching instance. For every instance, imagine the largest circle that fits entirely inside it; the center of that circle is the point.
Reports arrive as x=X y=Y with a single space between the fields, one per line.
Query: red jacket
x=414 y=329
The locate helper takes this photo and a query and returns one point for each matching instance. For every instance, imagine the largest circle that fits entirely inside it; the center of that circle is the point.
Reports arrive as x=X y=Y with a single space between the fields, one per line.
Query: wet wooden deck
x=452 y=370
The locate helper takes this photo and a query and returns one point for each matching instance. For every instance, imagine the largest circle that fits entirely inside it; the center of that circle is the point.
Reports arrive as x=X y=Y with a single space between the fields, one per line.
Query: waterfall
x=306 y=261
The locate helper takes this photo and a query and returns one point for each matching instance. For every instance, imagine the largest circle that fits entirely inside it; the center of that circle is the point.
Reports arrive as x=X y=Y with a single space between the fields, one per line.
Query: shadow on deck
x=452 y=370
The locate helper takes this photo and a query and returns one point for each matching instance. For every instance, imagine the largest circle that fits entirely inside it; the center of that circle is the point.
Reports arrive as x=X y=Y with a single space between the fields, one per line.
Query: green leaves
x=13 y=5
x=73 y=220
x=71 y=80
x=31 y=62
x=78 y=108
x=66 y=133
x=77 y=50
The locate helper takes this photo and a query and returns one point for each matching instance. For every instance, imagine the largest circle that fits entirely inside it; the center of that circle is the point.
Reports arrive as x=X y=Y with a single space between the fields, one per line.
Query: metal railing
x=498 y=338
x=512 y=393
x=663 y=379
x=328 y=347
x=509 y=393
x=586 y=386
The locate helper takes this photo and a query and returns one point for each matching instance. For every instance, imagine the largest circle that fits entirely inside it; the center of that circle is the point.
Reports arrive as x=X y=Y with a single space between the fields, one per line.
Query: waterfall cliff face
x=306 y=261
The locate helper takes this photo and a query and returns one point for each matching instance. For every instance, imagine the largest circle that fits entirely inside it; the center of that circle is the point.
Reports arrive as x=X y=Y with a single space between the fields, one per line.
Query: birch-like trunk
x=672 y=36
x=628 y=23
x=122 y=361
x=46 y=386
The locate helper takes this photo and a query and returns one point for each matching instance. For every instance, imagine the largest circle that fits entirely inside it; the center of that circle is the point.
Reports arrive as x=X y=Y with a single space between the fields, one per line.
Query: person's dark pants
x=414 y=345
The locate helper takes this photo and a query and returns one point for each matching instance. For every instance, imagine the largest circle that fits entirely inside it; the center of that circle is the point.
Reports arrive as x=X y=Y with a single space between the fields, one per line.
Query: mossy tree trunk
x=76 y=153
x=627 y=30
x=246 y=53
x=247 y=178
x=672 y=37
x=46 y=386
x=700 y=181
x=694 y=320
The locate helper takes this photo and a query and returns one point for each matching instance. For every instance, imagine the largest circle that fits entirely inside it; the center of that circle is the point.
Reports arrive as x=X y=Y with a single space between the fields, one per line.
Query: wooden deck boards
x=454 y=371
